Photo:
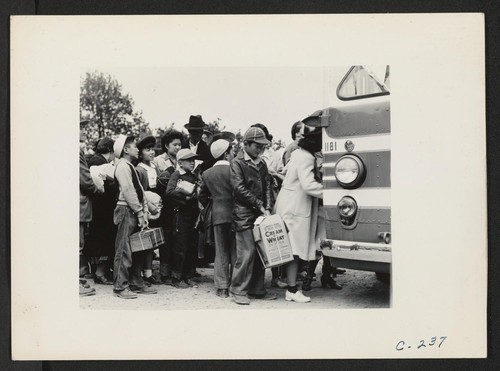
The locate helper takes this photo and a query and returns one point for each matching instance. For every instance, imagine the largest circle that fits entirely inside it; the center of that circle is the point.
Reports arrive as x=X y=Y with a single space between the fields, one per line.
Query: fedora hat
x=196 y=123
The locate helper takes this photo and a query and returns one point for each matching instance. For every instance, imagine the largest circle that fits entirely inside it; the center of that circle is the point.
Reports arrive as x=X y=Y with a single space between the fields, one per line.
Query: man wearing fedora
x=252 y=197
x=130 y=213
x=195 y=127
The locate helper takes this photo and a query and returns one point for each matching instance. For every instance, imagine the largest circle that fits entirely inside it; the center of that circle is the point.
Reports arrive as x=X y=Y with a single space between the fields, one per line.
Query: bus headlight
x=349 y=171
x=347 y=207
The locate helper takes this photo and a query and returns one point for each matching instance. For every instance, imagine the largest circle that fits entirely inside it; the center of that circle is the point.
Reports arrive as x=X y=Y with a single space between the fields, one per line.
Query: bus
x=356 y=135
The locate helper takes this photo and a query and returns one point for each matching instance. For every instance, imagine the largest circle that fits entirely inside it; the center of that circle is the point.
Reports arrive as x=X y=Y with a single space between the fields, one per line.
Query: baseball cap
x=119 y=144
x=218 y=147
x=186 y=154
x=256 y=135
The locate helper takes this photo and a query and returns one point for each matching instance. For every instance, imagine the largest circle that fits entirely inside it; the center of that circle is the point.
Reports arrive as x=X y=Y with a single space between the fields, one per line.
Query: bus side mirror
x=317 y=119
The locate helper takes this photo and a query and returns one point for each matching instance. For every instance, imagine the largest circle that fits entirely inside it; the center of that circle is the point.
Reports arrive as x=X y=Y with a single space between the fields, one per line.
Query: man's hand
x=267 y=213
x=143 y=221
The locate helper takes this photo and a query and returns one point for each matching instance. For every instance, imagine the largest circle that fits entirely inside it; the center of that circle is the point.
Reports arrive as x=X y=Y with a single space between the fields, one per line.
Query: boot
x=306 y=283
x=327 y=280
x=311 y=267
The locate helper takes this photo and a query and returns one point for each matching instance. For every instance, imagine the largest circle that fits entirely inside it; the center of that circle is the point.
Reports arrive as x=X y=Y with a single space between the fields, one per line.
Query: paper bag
x=272 y=242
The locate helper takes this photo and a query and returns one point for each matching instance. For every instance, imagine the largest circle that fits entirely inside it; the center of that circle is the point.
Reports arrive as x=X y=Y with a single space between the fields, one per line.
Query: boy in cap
x=181 y=194
x=216 y=185
x=130 y=213
x=252 y=197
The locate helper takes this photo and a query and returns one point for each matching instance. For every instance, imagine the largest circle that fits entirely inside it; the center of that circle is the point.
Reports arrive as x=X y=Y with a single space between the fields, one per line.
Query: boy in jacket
x=252 y=197
x=185 y=214
x=216 y=186
x=131 y=212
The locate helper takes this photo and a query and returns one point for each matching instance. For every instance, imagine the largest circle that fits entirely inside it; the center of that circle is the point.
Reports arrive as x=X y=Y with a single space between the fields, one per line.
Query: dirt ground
x=359 y=290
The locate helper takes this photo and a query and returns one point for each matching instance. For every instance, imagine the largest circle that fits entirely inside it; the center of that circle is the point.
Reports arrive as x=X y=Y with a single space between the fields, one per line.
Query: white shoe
x=298 y=297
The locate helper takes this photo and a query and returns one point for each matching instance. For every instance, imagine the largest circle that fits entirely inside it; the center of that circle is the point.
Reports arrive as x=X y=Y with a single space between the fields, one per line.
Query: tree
x=278 y=144
x=108 y=110
x=160 y=132
x=215 y=126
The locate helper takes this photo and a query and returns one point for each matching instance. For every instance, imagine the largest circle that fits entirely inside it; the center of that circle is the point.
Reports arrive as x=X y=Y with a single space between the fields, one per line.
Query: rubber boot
x=328 y=274
x=306 y=284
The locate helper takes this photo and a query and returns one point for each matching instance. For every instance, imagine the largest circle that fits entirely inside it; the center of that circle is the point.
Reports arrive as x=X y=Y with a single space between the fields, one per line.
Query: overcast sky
x=239 y=96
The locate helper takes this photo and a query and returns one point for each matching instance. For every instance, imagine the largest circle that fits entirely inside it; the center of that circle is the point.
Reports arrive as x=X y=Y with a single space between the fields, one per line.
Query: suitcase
x=147 y=239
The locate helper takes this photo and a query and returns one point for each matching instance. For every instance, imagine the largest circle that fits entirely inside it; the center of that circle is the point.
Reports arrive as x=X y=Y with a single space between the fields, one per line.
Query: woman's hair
x=148 y=146
x=104 y=145
x=312 y=140
x=169 y=137
x=296 y=128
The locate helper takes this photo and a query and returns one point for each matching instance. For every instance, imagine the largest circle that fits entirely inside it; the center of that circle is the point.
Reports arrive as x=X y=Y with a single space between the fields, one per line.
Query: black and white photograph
x=212 y=187
x=244 y=177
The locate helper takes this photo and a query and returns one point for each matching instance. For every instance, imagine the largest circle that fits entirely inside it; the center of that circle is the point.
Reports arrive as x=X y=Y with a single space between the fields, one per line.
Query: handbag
x=185 y=187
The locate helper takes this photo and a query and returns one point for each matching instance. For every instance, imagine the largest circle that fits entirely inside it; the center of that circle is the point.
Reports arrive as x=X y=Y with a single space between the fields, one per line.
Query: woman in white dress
x=298 y=205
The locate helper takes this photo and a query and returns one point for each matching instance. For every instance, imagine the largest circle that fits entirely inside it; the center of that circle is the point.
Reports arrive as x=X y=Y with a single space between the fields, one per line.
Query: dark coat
x=177 y=200
x=87 y=189
x=251 y=191
x=216 y=184
x=204 y=155
x=102 y=232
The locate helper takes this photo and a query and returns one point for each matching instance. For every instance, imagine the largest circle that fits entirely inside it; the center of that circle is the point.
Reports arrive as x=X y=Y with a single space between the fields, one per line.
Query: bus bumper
x=376 y=257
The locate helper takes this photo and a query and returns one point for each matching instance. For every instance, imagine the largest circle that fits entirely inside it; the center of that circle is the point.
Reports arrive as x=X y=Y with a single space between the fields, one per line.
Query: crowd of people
x=204 y=191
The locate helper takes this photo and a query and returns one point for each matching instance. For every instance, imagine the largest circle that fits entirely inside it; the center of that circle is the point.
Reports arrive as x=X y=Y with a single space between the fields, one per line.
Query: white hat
x=119 y=144
x=185 y=154
x=219 y=147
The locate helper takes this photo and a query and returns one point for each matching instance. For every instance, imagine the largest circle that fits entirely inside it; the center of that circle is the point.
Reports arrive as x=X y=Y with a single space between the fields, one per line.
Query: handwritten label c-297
x=433 y=341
